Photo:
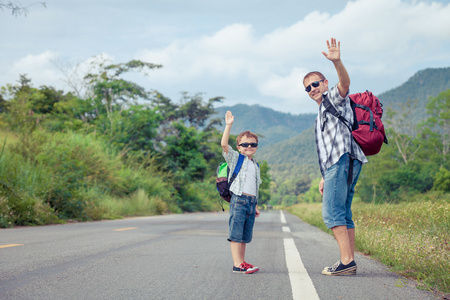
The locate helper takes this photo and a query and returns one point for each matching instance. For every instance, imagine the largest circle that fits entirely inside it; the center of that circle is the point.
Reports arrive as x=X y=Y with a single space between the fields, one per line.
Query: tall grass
x=7 y=136
x=47 y=177
x=200 y=196
x=411 y=237
x=137 y=204
x=21 y=183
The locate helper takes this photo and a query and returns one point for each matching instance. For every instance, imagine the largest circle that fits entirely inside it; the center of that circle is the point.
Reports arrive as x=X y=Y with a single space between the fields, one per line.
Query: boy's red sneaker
x=245 y=268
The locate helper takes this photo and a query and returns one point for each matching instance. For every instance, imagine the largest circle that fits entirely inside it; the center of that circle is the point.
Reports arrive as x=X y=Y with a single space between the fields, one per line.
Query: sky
x=247 y=51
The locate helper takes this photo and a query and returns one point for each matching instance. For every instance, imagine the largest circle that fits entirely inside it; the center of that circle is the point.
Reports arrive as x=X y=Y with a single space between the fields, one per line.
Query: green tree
x=386 y=161
x=27 y=108
x=196 y=112
x=132 y=129
x=442 y=180
x=435 y=137
x=182 y=153
x=403 y=131
x=3 y=104
x=436 y=129
x=19 y=104
x=109 y=91
x=411 y=163
x=264 y=188
x=313 y=194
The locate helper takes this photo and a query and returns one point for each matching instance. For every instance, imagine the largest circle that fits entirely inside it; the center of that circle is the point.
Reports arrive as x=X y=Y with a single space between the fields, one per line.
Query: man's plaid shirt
x=333 y=138
x=237 y=186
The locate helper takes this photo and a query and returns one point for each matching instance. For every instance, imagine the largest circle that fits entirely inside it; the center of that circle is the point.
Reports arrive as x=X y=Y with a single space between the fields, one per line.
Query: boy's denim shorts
x=338 y=194
x=242 y=218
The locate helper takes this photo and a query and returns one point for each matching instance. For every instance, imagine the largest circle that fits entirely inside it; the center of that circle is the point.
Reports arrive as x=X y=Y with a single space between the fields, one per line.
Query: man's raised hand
x=334 y=50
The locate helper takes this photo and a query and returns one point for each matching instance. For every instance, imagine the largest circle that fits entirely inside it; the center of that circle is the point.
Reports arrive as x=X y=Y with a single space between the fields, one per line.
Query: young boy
x=245 y=188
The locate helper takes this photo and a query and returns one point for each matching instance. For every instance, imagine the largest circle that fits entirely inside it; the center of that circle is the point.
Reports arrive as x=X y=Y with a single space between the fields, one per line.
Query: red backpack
x=367 y=128
x=369 y=111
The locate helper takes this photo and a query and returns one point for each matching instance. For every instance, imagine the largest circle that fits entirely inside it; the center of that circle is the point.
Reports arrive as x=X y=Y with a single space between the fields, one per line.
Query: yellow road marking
x=123 y=229
x=11 y=245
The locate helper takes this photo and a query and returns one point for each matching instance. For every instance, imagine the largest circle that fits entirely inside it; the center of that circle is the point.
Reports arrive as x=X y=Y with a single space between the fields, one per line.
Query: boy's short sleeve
x=231 y=157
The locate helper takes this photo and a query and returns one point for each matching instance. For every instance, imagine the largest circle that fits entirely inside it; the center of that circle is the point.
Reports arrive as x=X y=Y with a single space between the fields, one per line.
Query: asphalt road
x=184 y=257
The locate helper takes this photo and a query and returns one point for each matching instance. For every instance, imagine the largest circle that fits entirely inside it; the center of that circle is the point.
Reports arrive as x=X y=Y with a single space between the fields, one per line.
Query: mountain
x=421 y=86
x=287 y=141
x=271 y=126
x=292 y=157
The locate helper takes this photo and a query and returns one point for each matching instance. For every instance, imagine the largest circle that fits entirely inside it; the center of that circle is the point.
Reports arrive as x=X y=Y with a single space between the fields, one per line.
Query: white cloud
x=290 y=89
x=378 y=38
x=37 y=67
x=226 y=53
x=382 y=41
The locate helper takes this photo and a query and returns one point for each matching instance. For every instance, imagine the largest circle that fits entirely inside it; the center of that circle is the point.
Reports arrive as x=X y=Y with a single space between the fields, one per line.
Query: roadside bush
x=73 y=174
x=75 y=163
x=21 y=188
x=313 y=194
x=442 y=180
x=199 y=196
x=137 y=204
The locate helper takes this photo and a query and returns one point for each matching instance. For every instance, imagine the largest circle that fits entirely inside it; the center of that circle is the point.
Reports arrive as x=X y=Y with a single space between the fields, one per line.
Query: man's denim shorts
x=338 y=194
x=242 y=218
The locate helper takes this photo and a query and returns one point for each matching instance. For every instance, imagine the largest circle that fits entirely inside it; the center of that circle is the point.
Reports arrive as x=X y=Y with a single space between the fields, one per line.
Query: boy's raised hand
x=334 y=50
x=229 y=118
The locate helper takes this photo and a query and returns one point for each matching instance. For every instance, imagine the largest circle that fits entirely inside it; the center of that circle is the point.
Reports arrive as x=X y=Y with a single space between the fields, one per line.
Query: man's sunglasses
x=314 y=84
x=245 y=145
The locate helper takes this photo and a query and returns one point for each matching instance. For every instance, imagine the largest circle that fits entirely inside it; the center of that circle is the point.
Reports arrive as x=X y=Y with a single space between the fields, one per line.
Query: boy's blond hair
x=248 y=134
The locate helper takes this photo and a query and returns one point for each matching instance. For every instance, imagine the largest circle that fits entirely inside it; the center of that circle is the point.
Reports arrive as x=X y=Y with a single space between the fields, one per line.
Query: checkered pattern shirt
x=237 y=186
x=333 y=138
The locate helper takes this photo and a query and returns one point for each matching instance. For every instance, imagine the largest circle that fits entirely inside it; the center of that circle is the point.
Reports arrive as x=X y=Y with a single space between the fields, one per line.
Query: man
x=340 y=158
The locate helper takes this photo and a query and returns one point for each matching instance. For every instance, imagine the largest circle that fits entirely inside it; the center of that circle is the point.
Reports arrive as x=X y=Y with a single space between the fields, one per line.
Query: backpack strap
x=237 y=168
x=371 y=123
x=332 y=110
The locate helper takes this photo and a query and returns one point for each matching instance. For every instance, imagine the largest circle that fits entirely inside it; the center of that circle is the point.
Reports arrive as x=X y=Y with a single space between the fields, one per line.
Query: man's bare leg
x=346 y=241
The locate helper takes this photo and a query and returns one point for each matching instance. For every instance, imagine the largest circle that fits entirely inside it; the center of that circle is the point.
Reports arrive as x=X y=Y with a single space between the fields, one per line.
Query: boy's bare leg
x=238 y=253
x=346 y=241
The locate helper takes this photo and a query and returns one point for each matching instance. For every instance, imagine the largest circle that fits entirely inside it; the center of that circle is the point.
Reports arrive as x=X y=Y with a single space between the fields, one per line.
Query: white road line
x=301 y=284
x=286 y=229
x=283 y=219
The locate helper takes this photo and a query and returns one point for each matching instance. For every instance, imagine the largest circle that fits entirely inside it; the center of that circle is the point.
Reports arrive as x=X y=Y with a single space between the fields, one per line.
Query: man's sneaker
x=245 y=268
x=340 y=269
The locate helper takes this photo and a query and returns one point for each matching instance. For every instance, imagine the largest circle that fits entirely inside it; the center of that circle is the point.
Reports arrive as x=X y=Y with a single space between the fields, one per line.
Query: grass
x=138 y=204
x=412 y=238
x=53 y=177
x=8 y=136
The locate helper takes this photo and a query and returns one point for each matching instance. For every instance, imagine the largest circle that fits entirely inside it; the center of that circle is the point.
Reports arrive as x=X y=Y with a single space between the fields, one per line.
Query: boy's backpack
x=367 y=128
x=222 y=183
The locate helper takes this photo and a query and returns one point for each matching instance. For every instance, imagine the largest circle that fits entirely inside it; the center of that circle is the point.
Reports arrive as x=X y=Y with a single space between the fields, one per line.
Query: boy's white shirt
x=237 y=187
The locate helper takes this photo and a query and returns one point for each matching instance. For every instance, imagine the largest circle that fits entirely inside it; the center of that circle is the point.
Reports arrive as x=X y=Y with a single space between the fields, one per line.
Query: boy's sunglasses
x=314 y=84
x=245 y=145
